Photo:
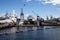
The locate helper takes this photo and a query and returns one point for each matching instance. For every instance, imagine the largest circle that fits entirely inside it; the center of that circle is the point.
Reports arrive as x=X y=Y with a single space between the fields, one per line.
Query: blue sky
x=42 y=7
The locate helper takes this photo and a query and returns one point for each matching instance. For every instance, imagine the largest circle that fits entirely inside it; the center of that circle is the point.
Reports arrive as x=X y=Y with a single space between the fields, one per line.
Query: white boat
x=5 y=21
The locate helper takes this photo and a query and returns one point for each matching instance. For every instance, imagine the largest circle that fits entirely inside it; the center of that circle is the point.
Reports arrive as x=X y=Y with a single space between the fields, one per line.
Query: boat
x=6 y=21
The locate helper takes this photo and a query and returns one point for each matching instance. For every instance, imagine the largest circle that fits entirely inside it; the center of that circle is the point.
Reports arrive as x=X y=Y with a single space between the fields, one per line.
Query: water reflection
x=30 y=28
x=20 y=29
x=40 y=27
x=9 y=30
x=49 y=33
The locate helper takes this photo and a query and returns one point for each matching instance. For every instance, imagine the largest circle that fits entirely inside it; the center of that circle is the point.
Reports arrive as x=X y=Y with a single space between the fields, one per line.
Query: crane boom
x=35 y=13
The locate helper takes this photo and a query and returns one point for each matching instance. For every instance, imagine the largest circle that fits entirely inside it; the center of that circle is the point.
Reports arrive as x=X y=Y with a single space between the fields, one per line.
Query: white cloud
x=28 y=0
x=53 y=2
x=37 y=0
x=27 y=15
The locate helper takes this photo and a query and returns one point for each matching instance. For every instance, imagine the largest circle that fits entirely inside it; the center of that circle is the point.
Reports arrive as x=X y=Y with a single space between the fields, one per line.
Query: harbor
x=13 y=21
x=29 y=19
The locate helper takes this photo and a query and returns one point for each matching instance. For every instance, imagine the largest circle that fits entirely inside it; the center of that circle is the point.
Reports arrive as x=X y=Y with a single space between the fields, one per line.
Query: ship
x=8 y=21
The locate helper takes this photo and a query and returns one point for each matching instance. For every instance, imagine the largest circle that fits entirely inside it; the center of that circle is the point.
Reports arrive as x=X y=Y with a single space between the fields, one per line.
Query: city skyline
x=42 y=7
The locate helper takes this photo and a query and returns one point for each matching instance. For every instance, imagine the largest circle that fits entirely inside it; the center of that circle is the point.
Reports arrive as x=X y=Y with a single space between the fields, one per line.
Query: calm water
x=47 y=33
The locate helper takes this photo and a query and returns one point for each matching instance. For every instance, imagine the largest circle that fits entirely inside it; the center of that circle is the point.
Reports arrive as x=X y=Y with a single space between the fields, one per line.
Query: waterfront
x=47 y=33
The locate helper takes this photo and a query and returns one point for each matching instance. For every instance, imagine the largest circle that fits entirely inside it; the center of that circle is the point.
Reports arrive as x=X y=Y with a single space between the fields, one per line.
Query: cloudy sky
x=41 y=7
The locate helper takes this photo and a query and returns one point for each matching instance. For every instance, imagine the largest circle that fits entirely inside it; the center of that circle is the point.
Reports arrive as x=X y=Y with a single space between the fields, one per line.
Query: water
x=47 y=33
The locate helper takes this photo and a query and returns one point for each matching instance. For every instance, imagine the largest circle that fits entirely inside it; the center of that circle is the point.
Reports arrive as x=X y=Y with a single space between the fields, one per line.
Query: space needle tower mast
x=22 y=14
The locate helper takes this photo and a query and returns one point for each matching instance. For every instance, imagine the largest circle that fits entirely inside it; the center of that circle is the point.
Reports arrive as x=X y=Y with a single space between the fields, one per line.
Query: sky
x=41 y=7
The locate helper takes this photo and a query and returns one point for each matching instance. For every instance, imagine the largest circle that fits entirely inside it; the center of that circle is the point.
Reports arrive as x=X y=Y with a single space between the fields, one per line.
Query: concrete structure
x=21 y=18
x=22 y=14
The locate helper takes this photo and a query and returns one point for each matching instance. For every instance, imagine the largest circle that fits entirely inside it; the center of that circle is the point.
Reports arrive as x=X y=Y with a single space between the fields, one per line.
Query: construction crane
x=35 y=13
x=37 y=18
x=22 y=9
x=24 y=4
x=21 y=23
